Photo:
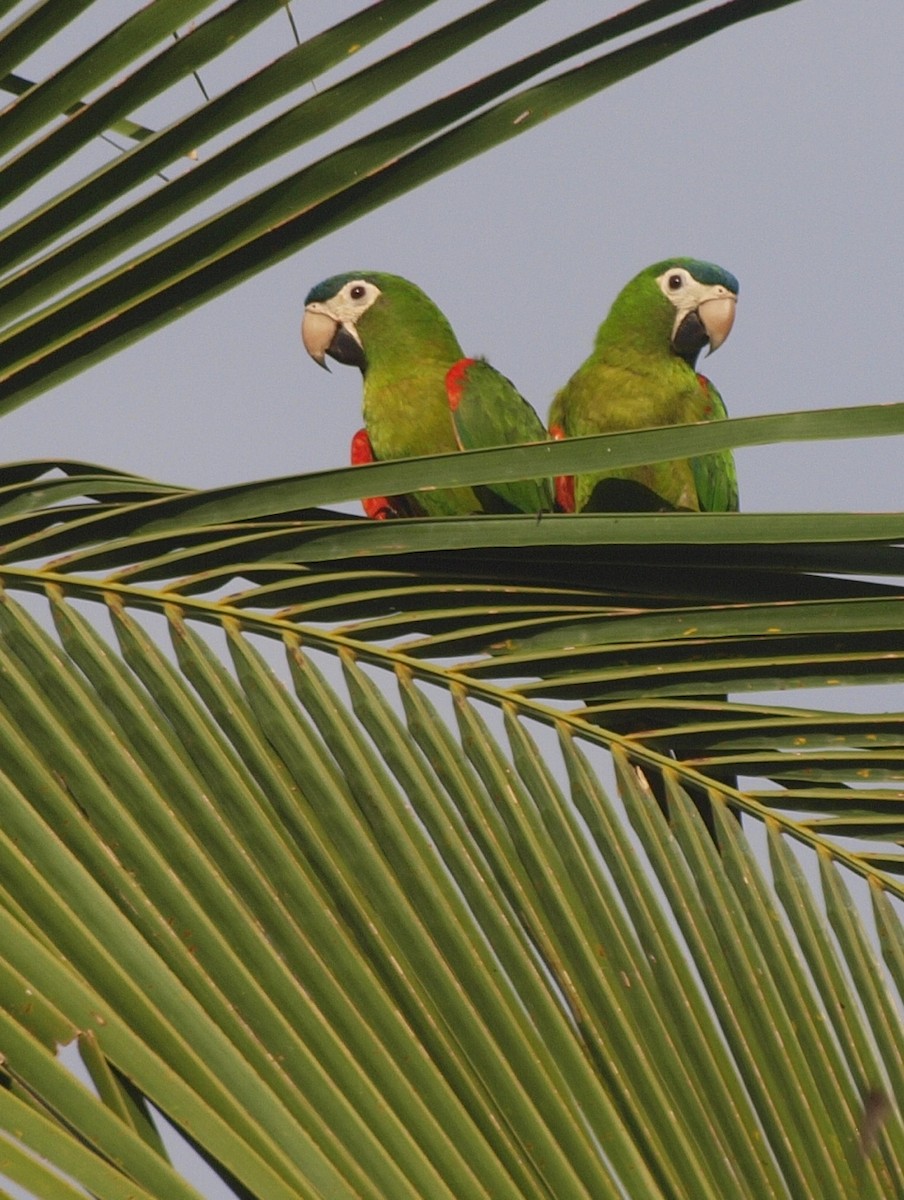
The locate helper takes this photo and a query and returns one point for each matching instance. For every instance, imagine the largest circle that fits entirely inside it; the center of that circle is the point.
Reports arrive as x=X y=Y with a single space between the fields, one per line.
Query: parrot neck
x=396 y=341
x=637 y=329
x=622 y=342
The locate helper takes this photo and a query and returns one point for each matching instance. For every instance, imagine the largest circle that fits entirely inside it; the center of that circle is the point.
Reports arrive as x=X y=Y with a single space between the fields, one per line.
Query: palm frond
x=443 y=974
x=630 y=627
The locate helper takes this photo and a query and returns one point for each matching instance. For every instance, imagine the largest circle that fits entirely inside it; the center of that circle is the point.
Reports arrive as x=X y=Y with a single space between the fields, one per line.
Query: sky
x=773 y=149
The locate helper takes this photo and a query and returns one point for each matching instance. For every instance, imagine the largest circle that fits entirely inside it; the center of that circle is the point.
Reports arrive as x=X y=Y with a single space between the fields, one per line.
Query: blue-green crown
x=329 y=287
x=705 y=272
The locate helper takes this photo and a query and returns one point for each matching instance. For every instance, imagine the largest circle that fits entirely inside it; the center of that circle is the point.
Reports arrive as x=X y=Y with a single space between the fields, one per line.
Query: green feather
x=714 y=474
x=487 y=410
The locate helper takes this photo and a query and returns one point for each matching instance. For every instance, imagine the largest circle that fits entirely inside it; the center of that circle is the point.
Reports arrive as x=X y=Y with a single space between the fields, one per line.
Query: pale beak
x=317 y=332
x=717 y=317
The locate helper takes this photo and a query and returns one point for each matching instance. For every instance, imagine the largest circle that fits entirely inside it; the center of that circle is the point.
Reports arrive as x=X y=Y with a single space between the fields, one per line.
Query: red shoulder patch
x=378 y=508
x=455 y=381
x=362 y=450
x=563 y=485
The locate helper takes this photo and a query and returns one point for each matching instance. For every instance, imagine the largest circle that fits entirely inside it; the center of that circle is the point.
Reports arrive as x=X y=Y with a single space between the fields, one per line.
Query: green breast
x=409 y=416
x=610 y=397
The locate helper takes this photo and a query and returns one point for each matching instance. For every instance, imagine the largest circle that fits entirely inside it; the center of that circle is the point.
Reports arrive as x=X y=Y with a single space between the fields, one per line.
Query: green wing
x=715 y=474
x=487 y=410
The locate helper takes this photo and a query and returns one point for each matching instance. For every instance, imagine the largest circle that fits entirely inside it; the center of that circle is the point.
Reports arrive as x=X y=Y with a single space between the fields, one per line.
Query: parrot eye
x=676 y=284
x=360 y=294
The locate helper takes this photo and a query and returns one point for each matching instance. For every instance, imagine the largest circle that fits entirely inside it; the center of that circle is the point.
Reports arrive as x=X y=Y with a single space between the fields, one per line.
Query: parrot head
x=364 y=316
x=704 y=298
x=689 y=302
x=332 y=310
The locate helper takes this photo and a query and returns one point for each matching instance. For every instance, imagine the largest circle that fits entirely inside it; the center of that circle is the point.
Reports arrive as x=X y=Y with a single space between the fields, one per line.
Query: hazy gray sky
x=774 y=149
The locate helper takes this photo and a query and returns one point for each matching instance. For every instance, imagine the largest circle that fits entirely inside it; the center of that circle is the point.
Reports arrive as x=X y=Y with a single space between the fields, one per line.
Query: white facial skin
x=713 y=303
x=322 y=317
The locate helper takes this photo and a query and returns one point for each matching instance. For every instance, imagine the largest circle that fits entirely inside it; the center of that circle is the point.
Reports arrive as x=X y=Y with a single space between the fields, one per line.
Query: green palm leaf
x=418 y=924
x=637 y=645
x=465 y=888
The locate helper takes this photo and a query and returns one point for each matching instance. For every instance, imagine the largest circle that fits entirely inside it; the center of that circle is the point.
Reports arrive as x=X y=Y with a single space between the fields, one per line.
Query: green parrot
x=405 y=349
x=641 y=374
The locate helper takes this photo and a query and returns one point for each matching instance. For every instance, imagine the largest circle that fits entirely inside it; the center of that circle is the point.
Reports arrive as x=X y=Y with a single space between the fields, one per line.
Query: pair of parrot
x=423 y=396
